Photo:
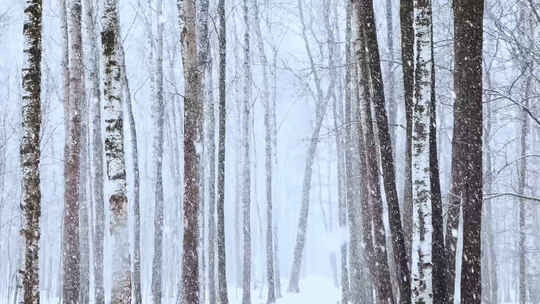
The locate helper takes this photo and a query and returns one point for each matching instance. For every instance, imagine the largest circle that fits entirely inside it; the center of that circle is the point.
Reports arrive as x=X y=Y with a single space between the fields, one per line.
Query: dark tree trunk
x=407 y=51
x=437 y=247
x=467 y=139
x=387 y=159
x=222 y=275
x=71 y=254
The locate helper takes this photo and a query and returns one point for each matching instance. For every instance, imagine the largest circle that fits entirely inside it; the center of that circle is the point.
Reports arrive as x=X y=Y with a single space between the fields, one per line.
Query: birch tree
x=114 y=156
x=29 y=149
x=192 y=150
x=421 y=256
x=73 y=141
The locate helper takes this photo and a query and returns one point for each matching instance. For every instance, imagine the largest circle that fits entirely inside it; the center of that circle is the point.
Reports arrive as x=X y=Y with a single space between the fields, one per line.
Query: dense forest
x=260 y=151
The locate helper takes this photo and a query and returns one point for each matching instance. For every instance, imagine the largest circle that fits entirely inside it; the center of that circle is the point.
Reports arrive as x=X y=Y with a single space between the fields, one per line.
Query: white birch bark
x=421 y=288
x=114 y=156
x=30 y=150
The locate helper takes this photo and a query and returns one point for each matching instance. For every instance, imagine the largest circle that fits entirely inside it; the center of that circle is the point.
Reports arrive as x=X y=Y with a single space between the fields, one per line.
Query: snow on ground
x=313 y=290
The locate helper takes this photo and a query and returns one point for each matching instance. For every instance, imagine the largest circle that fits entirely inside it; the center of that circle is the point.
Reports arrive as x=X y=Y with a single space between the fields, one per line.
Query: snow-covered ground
x=313 y=290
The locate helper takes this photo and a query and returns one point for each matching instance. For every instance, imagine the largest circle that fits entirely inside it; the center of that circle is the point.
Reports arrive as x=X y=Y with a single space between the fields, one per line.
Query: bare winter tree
x=114 y=155
x=29 y=149
x=246 y=174
x=387 y=159
x=467 y=142
x=222 y=275
x=158 y=111
x=73 y=141
x=192 y=149
x=271 y=298
x=97 y=150
x=422 y=238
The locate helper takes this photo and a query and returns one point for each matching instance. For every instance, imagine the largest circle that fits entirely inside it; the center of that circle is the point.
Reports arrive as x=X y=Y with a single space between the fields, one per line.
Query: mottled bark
x=387 y=160
x=407 y=59
x=192 y=150
x=221 y=253
x=391 y=103
x=422 y=238
x=29 y=149
x=467 y=140
x=114 y=156
x=71 y=234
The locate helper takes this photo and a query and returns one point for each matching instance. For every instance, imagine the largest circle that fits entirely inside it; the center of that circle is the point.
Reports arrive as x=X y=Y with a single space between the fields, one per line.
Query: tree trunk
x=221 y=253
x=387 y=159
x=392 y=109
x=271 y=297
x=407 y=57
x=437 y=246
x=29 y=149
x=246 y=175
x=158 y=111
x=467 y=140
x=192 y=150
x=96 y=153
x=320 y=112
x=114 y=156
x=422 y=240
x=71 y=255
x=372 y=210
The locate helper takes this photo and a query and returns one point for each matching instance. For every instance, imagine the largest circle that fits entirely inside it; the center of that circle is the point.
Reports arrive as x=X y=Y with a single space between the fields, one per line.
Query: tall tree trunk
x=246 y=175
x=114 y=156
x=422 y=240
x=392 y=109
x=489 y=189
x=387 y=159
x=29 y=149
x=372 y=211
x=71 y=254
x=271 y=297
x=221 y=253
x=96 y=153
x=437 y=246
x=192 y=150
x=522 y=184
x=158 y=111
x=407 y=58
x=320 y=112
x=467 y=140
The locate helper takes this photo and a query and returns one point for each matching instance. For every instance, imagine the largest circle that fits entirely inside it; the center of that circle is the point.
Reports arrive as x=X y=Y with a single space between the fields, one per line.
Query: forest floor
x=313 y=290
